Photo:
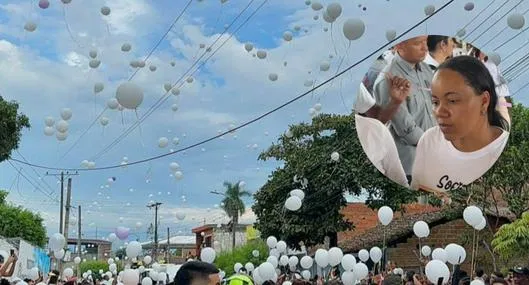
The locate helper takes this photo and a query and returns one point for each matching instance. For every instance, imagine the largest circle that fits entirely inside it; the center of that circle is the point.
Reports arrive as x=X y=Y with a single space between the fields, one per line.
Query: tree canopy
x=21 y=223
x=512 y=240
x=11 y=125
x=306 y=152
x=232 y=203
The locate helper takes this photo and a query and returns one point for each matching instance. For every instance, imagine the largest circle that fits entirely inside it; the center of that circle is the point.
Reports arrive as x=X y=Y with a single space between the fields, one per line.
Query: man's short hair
x=434 y=40
x=392 y=279
x=479 y=273
x=193 y=270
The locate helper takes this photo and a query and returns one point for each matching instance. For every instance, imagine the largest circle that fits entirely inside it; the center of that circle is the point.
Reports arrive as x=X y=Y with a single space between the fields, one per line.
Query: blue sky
x=47 y=70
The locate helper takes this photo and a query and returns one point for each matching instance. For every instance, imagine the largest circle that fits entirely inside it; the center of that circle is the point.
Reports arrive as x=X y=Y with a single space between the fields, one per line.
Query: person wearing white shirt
x=439 y=49
x=471 y=134
x=375 y=138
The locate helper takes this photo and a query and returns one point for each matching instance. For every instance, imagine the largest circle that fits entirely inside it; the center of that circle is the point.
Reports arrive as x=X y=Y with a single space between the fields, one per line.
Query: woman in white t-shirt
x=471 y=134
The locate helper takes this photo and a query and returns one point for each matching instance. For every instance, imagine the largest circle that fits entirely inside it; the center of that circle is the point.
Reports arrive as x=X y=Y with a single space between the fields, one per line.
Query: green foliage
x=232 y=202
x=95 y=266
x=11 y=125
x=16 y=222
x=306 y=152
x=243 y=254
x=512 y=240
x=509 y=175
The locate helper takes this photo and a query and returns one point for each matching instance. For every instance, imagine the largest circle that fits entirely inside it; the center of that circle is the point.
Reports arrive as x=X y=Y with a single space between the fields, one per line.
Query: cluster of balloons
x=60 y=128
x=474 y=217
x=294 y=202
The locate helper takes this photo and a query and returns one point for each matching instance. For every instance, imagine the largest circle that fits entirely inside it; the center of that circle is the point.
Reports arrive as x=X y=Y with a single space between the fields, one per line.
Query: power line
x=132 y=76
x=486 y=19
x=493 y=24
x=180 y=81
x=479 y=14
x=20 y=172
x=266 y=113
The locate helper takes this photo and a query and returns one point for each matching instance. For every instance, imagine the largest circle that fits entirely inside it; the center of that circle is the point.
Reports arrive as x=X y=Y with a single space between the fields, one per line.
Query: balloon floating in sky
x=94 y=63
x=353 y=29
x=152 y=68
x=469 y=6
x=287 y=36
x=112 y=103
x=273 y=76
x=325 y=65
x=391 y=35
x=66 y=114
x=129 y=95
x=261 y=54
x=105 y=11
x=30 y=26
x=98 y=87
x=92 y=54
x=494 y=57
x=316 y=6
x=461 y=33
x=66 y=1
x=248 y=47
x=516 y=21
x=49 y=121
x=44 y=4
x=429 y=10
x=334 y=10
x=126 y=47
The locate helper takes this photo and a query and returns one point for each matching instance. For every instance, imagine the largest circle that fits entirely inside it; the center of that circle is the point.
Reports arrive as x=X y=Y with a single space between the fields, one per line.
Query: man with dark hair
x=439 y=49
x=520 y=276
x=197 y=273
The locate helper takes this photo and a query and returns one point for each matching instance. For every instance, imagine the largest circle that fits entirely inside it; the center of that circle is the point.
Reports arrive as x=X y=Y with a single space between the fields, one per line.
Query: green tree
x=512 y=240
x=11 y=125
x=306 y=152
x=21 y=223
x=226 y=260
x=233 y=205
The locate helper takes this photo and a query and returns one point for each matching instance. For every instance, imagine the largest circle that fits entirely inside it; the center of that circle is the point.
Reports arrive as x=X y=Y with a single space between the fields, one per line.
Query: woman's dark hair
x=409 y=276
x=433 y=40
x=478 y=77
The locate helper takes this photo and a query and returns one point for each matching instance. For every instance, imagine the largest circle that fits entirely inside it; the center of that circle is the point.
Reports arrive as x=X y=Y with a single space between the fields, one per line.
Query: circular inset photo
x=432 y=113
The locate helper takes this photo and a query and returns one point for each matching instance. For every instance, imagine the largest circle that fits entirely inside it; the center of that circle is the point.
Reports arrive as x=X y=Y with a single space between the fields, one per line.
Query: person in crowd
x=520 y=276
x=500 y=84
x=464 y=281
x=392 y=279
x=240 y=279
x=53 y=277
x=374 y=136
x=414 y=116
x=440 y=48
x=8 y=268
x=471 y=134
x=498 y=281
x=197 y=273
x=479 y=275
x=373 y=72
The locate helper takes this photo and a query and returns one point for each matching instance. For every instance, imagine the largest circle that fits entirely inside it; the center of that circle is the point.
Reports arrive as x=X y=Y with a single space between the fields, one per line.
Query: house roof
x=369 y=232
x=179 y=240
x=208 y=227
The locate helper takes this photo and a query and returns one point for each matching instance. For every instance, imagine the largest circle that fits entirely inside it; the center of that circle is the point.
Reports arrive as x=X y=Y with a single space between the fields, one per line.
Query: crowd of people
x=431 y=117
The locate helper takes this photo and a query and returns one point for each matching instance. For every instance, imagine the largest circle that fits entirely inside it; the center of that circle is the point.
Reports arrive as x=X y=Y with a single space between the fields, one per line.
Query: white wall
x=225 y=239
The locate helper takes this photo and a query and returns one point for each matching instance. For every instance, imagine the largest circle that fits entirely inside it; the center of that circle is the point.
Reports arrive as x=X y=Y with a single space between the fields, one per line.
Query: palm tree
x=233 y=205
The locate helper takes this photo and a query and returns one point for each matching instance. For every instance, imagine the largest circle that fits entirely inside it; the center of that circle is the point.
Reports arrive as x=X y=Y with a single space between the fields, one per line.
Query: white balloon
x=249 y=267
x=271 y=241
x=348 y=278
x=360 y=270
x=439 y=254
x=163 y=142
x=353 y=29
x=435 y=270
x=66 y=1
x=348 y=262
x=477 y=282
x=106 y=11
x=335 y=156
x=469 y=6
x=133 y=249
x=248 y=47
x=261 y=54
x=190 y=79
x=49 y=131
x=61 y=136
x=126 y=47
x=255 y=253
x=426 y=251
x=174 y=107
x=59 y=254
x=322 y=257
x=305 y=274
x=293 y=203
x=455 y=254
x=174 y=166
x=385 y=215
x=363 y=255
x=94 y=63
x=92 y=53
x=281 y=246
x=391 y=35
x=375 y=253
x=316 y=6
x=516 y=21
x=494 y=57
x=91 y=164
x=129 y=95
x=421 y=229
x=267 y=271
x=112 y=237
x=178 y=175
x=273 y=76
x=152 y=68
x=306 y=262
x=98 y=87
x=175 y=91
x=146 y=281
x=272 y=259
x=130 y=277
x=49 y=121
x=141 y=63
x=298 y=193
x=66 y=114
x=335 y=256
x=77 y=260
x=429 y=10
x=334 y=10
x=62 y=126
x=287 y=36
x=30 y=26
x=167 y=87
x=472 y=215
x=67 y=273
x=293 y=261
x=207 y=255
x=103 y=121
x=325 y=66
x=112 y=103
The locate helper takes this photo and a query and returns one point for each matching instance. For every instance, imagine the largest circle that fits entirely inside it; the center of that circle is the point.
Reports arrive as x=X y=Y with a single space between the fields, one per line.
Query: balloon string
x=68 y=27
x=139 y=128
x=332 y=40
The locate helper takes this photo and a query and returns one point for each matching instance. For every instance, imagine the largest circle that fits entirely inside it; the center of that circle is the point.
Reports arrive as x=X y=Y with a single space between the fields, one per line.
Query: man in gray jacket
x=415 y=115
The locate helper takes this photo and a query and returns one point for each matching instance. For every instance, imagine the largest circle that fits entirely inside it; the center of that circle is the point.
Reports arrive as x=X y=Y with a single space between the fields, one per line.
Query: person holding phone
x=8 y=268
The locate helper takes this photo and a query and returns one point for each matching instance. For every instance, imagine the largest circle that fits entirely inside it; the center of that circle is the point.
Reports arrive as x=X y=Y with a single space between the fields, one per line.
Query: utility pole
x=67 y=212
x=61 y=176
x=79 y=236
x=155 y=205
x=167 y=250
